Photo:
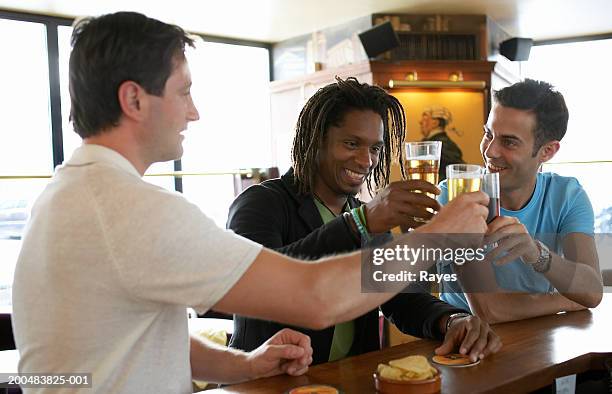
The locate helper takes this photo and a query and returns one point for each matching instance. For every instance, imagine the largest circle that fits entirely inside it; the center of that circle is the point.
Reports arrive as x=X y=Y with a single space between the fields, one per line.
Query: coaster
x=454 y=360
x=314 y=389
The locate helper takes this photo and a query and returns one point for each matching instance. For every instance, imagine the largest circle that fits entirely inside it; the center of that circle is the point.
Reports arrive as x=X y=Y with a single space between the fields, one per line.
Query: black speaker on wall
x=379 y=39
x=516 y=48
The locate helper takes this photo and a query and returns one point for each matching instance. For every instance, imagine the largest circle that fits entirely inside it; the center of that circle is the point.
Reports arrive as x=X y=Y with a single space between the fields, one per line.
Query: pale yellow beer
x=423 y=163
x=456 y=186
x=425 y=168
x=463 y=178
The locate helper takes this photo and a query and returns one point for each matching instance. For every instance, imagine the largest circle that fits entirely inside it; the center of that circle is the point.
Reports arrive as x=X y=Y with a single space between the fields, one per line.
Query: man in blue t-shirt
x=543 y=250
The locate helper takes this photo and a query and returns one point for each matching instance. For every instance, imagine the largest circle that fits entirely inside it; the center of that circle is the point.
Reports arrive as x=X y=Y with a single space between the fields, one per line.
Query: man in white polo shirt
x=109 y=262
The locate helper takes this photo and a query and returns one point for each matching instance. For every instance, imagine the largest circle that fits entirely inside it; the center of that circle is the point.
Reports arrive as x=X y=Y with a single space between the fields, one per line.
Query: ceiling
x=277 y=20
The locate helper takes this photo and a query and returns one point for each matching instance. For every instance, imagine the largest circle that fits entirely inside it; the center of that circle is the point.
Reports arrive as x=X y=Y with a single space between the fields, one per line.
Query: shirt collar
x=435 y=132
x=91 y=153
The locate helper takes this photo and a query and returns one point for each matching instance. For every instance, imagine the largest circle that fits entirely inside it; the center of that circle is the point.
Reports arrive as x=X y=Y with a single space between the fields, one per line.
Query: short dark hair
x=545 y=102
x=114 y=48
x=327 y=107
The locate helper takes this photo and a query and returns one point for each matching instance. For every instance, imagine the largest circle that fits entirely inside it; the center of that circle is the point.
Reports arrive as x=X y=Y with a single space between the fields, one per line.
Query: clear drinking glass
x=423 y=162
x=490 y=185
x=463 y=178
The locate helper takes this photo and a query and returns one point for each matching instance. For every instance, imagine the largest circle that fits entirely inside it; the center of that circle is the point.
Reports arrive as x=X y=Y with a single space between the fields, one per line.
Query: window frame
x=51 y=24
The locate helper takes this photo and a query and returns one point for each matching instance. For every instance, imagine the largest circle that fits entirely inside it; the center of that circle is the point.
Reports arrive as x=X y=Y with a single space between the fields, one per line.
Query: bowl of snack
x=408 y=375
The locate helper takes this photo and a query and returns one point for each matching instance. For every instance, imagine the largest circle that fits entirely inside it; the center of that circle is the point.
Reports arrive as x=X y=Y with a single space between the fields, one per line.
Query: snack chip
x=407 y=368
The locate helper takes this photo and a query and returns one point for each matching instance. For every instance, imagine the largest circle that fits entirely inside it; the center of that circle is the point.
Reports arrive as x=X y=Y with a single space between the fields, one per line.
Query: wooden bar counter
x=535 y=352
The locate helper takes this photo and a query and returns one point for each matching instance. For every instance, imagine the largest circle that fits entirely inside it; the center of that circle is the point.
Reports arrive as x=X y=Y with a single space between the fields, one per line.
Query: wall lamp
x=455 y=80
x=475 y=85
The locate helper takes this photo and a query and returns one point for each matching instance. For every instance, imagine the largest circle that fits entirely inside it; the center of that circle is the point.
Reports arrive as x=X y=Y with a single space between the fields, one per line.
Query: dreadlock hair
x=326 y=108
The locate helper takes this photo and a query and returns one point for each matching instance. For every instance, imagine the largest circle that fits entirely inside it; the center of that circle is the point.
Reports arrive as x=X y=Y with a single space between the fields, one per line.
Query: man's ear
x=548 y=150
x=132 y=100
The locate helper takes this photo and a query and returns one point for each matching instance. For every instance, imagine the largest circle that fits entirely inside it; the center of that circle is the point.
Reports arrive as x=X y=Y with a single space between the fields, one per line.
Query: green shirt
x=344 y=333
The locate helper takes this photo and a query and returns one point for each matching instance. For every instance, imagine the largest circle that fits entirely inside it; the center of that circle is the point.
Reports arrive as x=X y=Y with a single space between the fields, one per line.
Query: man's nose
x=490 y=149
x=193 y=114
x=364 y=158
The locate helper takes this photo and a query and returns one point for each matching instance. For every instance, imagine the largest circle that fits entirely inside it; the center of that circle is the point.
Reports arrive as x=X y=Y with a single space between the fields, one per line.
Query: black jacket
x=451 y=153
x=275 y=215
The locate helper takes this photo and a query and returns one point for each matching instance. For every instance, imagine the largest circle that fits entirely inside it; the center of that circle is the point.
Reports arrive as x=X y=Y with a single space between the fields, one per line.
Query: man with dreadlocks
x=345 y=137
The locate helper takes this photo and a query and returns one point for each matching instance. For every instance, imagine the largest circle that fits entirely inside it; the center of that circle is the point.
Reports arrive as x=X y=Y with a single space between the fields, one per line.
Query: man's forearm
x=494 y=305
x=334 y=301
x=502 y=307
x=218 y=364
x=576 y=281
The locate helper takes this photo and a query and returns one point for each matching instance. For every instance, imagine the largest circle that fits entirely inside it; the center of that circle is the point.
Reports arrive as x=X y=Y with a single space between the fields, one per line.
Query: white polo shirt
x=108 y=265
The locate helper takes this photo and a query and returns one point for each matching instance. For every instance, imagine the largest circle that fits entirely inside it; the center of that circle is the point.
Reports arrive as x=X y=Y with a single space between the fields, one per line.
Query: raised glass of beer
x=423 y=162
x=463 y=178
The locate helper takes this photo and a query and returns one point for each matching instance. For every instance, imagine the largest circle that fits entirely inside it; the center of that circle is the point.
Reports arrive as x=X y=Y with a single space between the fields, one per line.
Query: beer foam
x=466 y=175
x=425 y=157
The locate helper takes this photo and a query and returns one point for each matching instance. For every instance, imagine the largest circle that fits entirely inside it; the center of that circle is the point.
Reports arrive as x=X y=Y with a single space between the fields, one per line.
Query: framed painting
x=462 y=114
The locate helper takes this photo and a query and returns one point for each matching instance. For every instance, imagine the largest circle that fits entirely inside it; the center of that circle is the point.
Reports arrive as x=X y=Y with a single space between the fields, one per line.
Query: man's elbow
x=592 y=297
x=320 y=313
x=593 y=300
x=320 y=322
x=480 y=307
x=316 y=319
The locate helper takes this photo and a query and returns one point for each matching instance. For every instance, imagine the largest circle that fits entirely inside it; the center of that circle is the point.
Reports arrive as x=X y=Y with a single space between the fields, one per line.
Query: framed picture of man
x=456 y=117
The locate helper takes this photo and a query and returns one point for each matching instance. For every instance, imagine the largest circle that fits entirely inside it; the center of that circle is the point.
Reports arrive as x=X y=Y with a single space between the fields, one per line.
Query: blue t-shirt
x=558 y=206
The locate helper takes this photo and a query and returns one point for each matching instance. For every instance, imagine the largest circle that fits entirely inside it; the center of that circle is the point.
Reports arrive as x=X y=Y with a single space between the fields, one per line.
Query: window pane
x=25 y=125
x=231 y=92
x=212 y=193
x=590 y=176
x=25 y=132
x=16 y=199
x=580 y=71
x=167 y=182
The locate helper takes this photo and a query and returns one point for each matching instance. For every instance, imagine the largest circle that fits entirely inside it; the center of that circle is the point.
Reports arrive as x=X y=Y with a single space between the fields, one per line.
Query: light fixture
x=473 y=85
x=455 y=76
x=412 y=76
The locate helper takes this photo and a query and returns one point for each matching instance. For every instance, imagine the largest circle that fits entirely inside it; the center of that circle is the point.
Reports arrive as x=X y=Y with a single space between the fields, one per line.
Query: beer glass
x=423 y=162
x=463 y=178
x=490 y=185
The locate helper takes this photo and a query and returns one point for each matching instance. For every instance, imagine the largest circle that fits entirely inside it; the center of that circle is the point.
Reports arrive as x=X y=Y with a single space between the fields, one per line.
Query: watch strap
x=542 y=265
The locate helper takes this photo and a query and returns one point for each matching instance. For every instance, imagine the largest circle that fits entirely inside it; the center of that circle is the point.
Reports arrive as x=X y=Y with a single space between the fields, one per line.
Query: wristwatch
x=542 y=264
x=454 y=316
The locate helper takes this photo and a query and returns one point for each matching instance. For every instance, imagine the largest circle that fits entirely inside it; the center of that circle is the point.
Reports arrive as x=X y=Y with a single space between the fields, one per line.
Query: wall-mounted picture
x=454 y=117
